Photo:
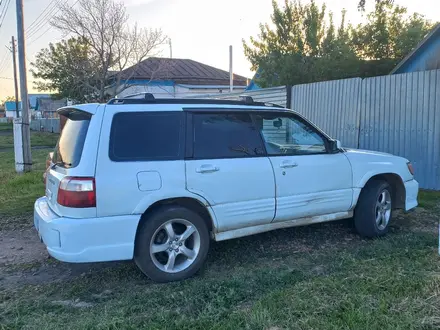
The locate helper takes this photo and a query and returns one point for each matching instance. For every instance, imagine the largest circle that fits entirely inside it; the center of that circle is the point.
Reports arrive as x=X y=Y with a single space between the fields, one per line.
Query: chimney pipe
x=231 y=74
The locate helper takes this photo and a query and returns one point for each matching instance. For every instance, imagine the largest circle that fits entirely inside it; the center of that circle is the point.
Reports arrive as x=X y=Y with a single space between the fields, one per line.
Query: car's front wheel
x=374 y=209
x=171 y=244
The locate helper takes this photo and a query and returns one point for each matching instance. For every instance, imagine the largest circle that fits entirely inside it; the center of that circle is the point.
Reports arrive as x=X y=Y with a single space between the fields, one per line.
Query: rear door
x=140 y=158
x=74 y=156
x=227 y=165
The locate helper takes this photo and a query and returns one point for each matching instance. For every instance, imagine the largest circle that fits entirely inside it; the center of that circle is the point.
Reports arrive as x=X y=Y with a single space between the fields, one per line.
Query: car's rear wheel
x=374 y=209
x=171 y=244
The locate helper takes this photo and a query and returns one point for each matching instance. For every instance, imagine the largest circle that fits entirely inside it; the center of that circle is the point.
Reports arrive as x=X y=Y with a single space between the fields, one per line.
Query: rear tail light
x=77 y=192
x=410 y=168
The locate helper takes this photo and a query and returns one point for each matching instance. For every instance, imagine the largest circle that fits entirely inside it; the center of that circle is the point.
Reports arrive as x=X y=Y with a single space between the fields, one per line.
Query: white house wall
x=10 y=113
x=183 y=91
x=176 y=91
x=157 y=91
x=13 y=114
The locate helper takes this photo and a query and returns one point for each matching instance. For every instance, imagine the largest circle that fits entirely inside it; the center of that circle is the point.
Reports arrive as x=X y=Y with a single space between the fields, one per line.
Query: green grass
x=37 y=139
x=18 y=192
x=5 y=126
x=318 y=277
x=44 y=139
x=429 y=199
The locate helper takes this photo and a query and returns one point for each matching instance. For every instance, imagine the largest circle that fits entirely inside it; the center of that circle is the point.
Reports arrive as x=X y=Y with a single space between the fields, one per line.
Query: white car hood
x=366 y=163
x=368 y=152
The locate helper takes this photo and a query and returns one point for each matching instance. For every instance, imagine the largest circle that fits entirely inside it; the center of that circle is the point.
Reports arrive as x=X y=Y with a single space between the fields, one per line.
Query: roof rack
x=148 y=98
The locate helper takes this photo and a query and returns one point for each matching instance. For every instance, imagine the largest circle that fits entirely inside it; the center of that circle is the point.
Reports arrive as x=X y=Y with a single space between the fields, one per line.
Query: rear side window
x=71 y=142
x=141 y=136
x=226 y=135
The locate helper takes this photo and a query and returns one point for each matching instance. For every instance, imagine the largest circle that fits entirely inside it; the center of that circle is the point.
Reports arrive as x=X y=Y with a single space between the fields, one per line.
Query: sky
x=201 y=30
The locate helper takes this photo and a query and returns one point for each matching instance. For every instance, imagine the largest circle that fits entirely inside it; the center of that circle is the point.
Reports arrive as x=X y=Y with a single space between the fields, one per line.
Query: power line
x=3 y=60
x=5 y=63
x=31 y=42
x=6 y=66
x=43 y=21
x=50 y=26
x=34 y=22
x=4 y=56
x=3 y=13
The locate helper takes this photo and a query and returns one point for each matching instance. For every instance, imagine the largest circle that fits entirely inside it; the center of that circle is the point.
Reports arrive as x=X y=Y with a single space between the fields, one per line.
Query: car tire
x=374 y=209
x=183 y=256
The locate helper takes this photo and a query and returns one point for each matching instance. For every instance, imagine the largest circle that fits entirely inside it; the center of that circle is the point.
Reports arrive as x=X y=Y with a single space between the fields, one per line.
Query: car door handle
x=287 y=164
x=207 y=168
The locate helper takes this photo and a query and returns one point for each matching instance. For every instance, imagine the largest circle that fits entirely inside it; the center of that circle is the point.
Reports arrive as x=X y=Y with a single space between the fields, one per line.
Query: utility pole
x=14 y=61
x=25 y=130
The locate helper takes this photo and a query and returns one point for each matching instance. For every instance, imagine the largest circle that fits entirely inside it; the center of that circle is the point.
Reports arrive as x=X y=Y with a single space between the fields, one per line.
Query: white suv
x=155 y=180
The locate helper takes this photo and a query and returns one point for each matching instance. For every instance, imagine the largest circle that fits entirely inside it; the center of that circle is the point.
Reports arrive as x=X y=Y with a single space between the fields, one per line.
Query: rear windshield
x=71 y=142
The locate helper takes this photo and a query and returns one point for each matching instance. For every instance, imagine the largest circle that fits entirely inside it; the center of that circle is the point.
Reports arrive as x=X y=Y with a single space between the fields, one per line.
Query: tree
x=9 y=98
x=361 y=4
x=103 y=25
x=389 y=33
x=68 y=68
x=299 y=47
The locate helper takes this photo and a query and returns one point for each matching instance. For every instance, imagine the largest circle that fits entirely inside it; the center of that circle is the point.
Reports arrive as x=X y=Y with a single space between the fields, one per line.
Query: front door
x=309 y=179
x=229 y=168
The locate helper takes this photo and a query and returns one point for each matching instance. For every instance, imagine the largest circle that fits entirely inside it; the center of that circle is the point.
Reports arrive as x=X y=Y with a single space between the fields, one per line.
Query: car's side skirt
x=284 y=224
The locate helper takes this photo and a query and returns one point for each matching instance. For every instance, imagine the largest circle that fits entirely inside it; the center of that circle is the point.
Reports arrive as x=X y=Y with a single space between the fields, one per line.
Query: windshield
x=71 y=142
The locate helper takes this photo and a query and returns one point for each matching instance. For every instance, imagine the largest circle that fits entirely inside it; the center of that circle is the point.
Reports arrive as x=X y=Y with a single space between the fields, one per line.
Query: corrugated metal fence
x=333 y=106
x=399 y=114
x=275 y=95
x=46 y=125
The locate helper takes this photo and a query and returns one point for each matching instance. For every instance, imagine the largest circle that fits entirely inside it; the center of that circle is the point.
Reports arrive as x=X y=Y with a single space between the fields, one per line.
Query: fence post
x=289 y=96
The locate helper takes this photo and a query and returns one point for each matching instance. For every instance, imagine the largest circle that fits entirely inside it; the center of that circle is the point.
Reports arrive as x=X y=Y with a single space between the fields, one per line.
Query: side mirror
x=335 y=146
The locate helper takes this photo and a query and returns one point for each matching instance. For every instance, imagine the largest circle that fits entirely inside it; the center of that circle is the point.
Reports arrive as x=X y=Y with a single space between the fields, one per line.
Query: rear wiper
x=60 y=163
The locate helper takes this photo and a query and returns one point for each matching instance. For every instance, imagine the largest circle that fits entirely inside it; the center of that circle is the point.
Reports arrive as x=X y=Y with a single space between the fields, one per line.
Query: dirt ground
x=25 y=260
x=322 y=276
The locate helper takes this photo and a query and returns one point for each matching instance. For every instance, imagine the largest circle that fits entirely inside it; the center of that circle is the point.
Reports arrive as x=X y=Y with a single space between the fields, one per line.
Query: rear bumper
x=412 y=190
x=85 y=239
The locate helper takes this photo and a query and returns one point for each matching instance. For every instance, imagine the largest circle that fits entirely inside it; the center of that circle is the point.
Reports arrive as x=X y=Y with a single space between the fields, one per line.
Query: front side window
x=288 y=135
x=137 y=136
x=226 y=135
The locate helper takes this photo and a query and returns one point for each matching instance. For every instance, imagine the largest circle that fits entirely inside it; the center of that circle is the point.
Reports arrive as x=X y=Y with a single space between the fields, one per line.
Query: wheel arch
x=397 y=186
x=191 y=203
